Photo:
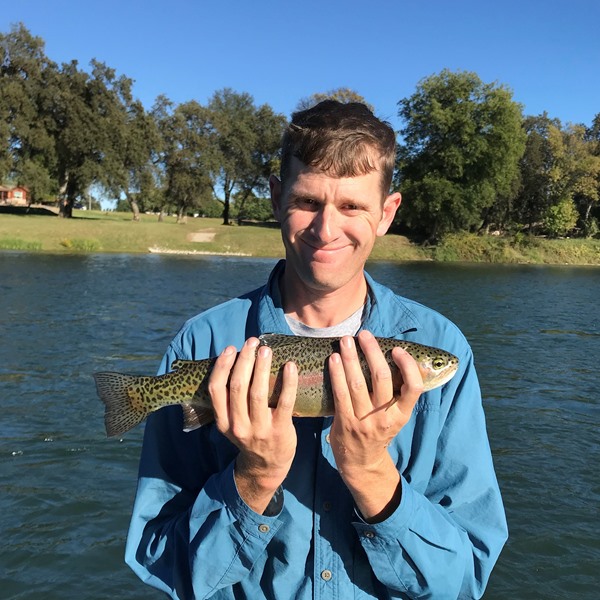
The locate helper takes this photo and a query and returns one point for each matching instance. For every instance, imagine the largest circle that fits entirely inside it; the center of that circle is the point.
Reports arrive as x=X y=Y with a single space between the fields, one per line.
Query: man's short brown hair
x=341 y=139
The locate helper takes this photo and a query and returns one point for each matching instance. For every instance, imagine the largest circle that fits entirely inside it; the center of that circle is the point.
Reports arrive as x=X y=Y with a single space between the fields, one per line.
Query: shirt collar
x=386 y=314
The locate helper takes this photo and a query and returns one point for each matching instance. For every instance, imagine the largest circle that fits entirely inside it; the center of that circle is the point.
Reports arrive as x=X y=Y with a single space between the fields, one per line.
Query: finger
x=239 y=382
x=287 y=398
x=339 y=386
x=357 y=385
x=412 y=382
x=258 y=397
x=217 y=386
x=381 y=374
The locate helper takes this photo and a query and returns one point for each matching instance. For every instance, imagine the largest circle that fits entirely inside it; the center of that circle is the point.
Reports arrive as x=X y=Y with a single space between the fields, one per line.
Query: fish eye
x=438 y=363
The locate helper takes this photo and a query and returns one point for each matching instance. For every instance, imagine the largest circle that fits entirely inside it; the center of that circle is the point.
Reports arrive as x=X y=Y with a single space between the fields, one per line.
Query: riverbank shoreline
x=115 y=233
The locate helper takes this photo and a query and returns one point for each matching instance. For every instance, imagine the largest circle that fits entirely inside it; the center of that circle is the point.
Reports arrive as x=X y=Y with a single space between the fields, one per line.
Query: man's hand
x=365 y=423
x=265 y=436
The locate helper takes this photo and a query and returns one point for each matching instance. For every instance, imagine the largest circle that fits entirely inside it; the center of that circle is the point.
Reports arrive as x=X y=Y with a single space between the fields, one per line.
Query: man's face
x=329 y=224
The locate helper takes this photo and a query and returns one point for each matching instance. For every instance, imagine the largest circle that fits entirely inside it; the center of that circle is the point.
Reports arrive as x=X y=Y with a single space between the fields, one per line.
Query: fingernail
x=227 y=351
x=347 y=342
x=264 y=351
x=291 y=367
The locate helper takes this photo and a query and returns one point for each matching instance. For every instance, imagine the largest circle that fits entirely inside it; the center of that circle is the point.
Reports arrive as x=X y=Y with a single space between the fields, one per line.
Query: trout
x=129 y=399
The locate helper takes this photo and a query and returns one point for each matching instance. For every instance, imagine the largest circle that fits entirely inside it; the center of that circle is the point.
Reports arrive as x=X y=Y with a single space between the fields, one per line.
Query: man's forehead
x=302 y=176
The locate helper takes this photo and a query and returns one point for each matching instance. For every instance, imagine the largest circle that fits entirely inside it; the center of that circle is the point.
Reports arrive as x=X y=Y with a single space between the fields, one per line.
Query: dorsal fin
x=278 y=340
x=180 y=362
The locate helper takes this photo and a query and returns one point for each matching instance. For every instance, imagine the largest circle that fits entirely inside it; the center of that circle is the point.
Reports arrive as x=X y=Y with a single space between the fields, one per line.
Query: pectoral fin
x=195 y=416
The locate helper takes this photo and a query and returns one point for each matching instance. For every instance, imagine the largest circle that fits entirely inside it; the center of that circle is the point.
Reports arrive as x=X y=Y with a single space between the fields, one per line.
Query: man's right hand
x=265 y=436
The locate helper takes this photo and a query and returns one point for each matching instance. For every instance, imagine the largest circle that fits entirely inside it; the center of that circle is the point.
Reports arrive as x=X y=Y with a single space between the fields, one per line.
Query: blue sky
x=547 y=52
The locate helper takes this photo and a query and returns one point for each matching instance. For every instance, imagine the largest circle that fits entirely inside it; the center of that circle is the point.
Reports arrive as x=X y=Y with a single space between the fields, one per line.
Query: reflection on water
x=66 y=491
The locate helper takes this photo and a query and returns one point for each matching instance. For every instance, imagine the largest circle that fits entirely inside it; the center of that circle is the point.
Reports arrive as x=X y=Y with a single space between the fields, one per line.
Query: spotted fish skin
x=129 y=399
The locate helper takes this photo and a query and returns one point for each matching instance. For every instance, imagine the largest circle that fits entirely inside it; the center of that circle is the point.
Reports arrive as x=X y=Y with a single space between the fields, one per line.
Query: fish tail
x=120 y=415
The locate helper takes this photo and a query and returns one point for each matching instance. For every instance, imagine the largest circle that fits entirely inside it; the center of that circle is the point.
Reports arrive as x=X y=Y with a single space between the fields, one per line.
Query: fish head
x=437 y=367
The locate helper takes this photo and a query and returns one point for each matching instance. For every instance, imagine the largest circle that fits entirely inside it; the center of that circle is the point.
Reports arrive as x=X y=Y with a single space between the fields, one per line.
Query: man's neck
x=316 y=308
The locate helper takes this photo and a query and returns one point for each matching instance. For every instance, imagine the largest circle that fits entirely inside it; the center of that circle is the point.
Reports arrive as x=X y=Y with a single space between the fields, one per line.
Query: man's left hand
x=366 y=421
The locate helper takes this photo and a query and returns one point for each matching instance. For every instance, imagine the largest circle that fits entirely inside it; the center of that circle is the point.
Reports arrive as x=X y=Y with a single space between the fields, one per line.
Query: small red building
x=13 y=195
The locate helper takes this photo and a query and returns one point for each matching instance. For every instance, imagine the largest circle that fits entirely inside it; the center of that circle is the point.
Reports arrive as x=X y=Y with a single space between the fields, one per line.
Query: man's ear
x=390 y=206
x=275 y=187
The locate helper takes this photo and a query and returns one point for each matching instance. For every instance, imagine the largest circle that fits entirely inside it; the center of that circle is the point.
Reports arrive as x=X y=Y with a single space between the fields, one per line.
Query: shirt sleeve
x=443 y=542
x=187 y=505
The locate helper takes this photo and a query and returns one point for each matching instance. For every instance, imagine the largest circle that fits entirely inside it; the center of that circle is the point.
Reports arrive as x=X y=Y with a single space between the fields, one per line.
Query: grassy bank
x=518 y=249
x=94 y=231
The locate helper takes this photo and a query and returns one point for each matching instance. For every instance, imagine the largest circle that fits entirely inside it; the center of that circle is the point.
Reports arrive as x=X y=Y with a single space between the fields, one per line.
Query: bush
x=561 y=218
x=79 y=245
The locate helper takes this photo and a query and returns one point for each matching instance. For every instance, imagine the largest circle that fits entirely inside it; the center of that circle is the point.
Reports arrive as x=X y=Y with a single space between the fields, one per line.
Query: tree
x=559 y=173
x=87 y=120
x=560 y=218
x=27 y=85
x=243 y=145
x=131 y=165
x=577 y=170
x=535 y=193
x=591 y=200
x=61 y=126
x=185 y=155
x=341 y=94
x=462 y=140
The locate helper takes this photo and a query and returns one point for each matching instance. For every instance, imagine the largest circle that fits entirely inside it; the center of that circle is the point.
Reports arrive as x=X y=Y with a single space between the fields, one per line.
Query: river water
x=66 y=491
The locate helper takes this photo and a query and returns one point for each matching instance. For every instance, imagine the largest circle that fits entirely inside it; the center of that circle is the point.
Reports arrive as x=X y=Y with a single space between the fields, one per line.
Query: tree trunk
x=226 y=212
x=181 y=216
x=66 y=200
x=65 y=207
x=135 y=208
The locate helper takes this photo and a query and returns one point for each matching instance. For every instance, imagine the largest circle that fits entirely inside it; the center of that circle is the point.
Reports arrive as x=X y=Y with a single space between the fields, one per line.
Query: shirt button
x=327 y=439
x=263 y=528
x=369 y=534
x=326 y=574
x=326 y=506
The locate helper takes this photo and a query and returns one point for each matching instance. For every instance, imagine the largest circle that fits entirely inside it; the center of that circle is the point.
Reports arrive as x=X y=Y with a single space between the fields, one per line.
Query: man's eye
x=308 y=202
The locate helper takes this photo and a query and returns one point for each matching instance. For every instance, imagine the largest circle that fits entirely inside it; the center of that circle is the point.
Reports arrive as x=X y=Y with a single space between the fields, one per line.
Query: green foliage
x=212 y=208
x=474 y=248
x=462 y=143
x=561 y=218
x=8 y=243
x=341 y=94
x=81 y=245
x=185 y=155
x=27 y=79
x=255 y=209
x=122 y=206
x=242 y=146
x=521 y=248
x=590 y=228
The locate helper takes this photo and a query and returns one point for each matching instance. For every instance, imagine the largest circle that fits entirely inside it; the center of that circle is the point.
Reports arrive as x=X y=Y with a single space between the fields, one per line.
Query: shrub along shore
x=112 y=232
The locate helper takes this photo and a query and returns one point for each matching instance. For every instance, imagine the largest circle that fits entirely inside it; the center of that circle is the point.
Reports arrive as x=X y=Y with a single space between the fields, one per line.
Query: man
x=394 y=497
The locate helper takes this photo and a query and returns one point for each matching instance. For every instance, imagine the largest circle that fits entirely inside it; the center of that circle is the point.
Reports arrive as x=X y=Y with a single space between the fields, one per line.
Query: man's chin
x=326 y=277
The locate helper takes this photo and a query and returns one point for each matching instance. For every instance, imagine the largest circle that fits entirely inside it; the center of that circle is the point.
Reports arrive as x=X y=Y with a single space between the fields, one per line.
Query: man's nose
x=325 y=224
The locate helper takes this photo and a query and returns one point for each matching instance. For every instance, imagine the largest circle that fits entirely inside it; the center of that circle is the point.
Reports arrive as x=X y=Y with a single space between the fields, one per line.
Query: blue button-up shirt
x=192 y=535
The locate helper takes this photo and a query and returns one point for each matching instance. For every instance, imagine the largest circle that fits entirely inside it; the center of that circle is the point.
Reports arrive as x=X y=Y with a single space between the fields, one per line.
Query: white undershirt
x=349 y=326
